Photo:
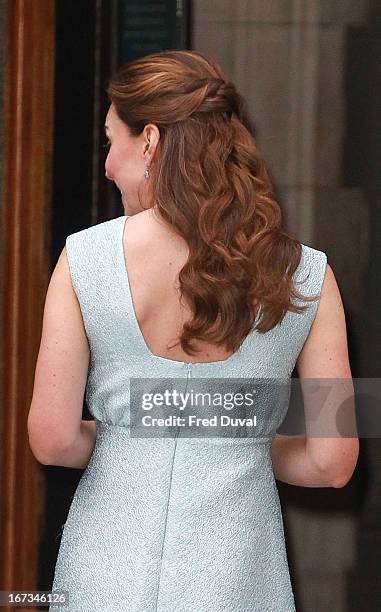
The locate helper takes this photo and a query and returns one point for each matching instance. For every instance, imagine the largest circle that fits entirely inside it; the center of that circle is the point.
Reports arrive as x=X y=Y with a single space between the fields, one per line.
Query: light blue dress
x=175 y=524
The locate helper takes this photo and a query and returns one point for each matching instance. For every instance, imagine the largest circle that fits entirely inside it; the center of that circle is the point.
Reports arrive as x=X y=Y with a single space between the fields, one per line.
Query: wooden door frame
x=25 y=229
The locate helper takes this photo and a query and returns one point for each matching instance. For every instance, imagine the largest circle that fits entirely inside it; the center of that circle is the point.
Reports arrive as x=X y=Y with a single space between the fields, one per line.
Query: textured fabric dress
x=172 y=524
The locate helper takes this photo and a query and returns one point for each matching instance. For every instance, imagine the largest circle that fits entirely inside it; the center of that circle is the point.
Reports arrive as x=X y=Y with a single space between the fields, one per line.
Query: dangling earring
x=146 y=171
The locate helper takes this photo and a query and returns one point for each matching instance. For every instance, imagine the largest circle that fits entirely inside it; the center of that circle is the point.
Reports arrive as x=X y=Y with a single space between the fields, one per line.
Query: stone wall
x=288 y=58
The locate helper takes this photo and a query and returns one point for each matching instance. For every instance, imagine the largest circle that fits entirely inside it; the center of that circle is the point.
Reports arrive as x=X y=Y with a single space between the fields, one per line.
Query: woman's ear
x=152 y=138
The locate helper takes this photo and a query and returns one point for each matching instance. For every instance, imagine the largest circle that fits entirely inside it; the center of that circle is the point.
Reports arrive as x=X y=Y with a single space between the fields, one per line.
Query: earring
x=146 y=171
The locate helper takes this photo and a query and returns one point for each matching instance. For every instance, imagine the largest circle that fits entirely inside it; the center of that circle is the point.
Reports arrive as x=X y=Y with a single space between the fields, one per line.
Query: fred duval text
x=223 y=420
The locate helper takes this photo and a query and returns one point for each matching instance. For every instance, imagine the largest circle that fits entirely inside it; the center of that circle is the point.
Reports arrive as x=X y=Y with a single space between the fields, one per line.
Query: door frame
x=25 y=259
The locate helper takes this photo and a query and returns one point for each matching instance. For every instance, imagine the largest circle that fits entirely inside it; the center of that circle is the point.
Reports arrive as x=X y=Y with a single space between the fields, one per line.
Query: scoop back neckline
x=138 y=332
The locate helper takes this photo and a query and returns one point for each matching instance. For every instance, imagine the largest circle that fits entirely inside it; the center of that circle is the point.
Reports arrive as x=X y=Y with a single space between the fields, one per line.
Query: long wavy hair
x=209 y=182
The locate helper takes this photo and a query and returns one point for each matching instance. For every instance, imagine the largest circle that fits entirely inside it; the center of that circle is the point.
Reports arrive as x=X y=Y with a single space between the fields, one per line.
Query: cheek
x=110 y=156
x=108 y=166
x=120 y=167
x=113 y=163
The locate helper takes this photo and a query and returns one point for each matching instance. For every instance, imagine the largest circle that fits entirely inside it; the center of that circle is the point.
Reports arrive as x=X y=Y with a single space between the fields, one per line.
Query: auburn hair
x=210 y=183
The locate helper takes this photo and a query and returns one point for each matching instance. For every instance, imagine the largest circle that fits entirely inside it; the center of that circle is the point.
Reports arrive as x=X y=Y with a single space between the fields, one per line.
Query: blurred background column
x=293 y=61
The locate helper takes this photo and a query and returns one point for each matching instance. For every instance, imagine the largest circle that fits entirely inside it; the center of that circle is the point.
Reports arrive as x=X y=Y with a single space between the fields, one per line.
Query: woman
x=196 y=280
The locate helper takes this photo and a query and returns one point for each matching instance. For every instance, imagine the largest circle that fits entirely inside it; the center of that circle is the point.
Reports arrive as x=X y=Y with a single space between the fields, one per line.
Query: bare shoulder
x=325 y=352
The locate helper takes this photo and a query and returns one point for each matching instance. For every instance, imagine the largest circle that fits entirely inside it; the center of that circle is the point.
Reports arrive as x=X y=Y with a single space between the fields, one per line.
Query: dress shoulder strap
x=92 y=254
x=308 y=280
x=310 y=273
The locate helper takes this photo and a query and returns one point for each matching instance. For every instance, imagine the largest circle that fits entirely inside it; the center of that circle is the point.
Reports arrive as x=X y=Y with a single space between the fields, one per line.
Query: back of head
x=209 y=182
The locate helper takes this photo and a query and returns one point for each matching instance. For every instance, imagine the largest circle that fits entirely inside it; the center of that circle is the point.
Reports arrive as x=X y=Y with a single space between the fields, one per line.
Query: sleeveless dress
x=173 y=524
